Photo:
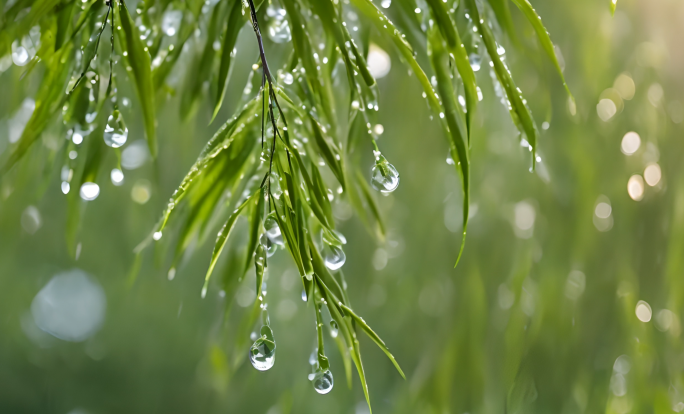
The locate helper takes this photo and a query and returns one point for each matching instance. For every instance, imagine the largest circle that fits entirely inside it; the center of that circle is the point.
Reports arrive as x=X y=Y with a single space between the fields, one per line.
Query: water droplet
x=384 y=177
x=475 y=61
x=157 y=235
x=287 y=78
x=334 y=256
x=117 y=176
x=89 y=191
x=71 y=306
x=262 y=351
x=304 y=295
x=115 y=133
x=272 y=231
x=274 y=182
x=334 y=329
x=268 y=245
x=386 y=4
x=323 y=381
x=277 y=26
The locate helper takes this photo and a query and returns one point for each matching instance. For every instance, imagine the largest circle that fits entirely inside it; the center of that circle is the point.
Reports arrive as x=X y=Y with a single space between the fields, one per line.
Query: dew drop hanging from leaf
x=268 y=245
x=272 y=231
x=384 y=177
x=334 y=256
x=116 y=132
x=322 y=381
x=262 y=351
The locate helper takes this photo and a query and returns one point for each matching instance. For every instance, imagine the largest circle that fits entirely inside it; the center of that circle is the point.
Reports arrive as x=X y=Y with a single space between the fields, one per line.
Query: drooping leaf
x=233 y=26
x=458 y=51
x=452 y=114
x=544 y=38
x=218 y=143
x=255 y=225
x=200 y=70
x=138 y=66
x=520 y=113
x=222 y=238
x=371 y=334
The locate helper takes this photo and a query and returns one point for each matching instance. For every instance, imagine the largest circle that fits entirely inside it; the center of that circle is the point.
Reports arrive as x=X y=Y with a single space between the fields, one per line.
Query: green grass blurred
x=540 y=316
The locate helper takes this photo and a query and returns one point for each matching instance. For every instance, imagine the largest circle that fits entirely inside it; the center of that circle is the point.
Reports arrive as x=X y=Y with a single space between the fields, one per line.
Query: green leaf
x=65 y=13
x=200 y=69
x=255 y=224
x=222 y=238
x=329 y=152
x=520 y=113
x=371 y=334
x=453 y=41
x=613 y=5
x=503 y=15
x=385 y=26
x=219 y=142
x=458 y=137
x=323 y=98
x=367 y=195
x=347 y=330
x=522 y=394
x=544 y=38
x=138 y=65
x=235 y=22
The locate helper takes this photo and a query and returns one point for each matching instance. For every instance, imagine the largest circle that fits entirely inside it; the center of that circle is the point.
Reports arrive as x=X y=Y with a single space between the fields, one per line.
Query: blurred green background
x=568 y=298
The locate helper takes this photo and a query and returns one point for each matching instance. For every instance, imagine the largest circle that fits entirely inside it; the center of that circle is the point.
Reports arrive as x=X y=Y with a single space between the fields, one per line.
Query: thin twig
x=266 y=77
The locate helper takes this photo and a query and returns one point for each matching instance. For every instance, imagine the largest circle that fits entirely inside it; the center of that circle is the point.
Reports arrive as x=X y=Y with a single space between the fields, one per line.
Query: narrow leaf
x=367 y=329
x=544 y=38
x=138 y=65
x=235 y=22
x=457 y=135
x=222 y=238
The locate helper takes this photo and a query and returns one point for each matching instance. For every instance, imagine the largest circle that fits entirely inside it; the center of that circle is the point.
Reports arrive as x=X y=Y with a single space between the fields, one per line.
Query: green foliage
x=309 y=152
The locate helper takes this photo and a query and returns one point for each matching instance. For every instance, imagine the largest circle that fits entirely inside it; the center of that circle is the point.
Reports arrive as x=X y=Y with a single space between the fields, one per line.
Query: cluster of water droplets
x=277 y=26
x=384 y=177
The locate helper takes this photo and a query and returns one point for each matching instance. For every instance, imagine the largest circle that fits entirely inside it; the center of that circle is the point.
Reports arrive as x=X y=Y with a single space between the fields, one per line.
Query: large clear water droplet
x=384 y=177
x=334 y=329
x=262 y=351
x=475 y=61
x=272 y=231
x=115 y=133
x=278 y=28
x=304 y=296
x=322 y=381
x=268 y=245
x=333 y=256
x=89 y=191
